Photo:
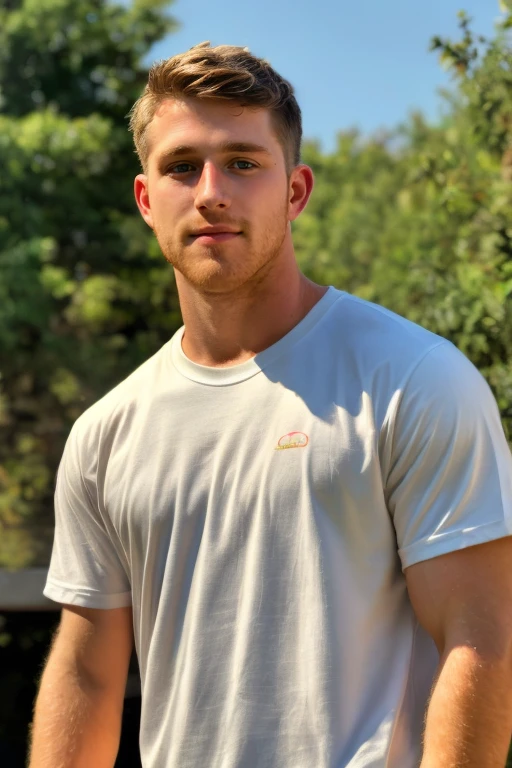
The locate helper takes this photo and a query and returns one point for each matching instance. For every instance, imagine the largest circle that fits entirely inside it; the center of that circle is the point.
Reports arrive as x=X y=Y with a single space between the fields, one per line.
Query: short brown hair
x=222 y=72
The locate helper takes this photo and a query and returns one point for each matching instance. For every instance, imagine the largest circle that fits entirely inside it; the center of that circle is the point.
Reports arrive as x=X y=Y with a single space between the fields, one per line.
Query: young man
x=300 y=507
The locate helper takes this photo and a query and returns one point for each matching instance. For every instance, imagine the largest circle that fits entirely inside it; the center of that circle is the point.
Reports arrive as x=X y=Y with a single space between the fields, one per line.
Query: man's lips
x=214 y=236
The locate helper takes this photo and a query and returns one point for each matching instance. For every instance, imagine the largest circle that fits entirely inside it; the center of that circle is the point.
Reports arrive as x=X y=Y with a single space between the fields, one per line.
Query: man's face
x=216 y=193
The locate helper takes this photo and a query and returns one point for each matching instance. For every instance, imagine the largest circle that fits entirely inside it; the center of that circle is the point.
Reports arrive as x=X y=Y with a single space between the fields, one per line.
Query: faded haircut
x=222 y=72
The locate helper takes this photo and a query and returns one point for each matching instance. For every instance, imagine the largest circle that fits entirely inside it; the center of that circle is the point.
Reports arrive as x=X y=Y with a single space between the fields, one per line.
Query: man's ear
x=301 y=186
x=140 y=188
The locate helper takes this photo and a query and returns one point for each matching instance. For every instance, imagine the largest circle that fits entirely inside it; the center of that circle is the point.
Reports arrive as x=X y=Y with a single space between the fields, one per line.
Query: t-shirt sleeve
x=449 y=467
x=87 y=566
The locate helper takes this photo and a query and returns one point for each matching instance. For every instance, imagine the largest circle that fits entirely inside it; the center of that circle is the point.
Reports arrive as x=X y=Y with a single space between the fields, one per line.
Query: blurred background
x=408 y=127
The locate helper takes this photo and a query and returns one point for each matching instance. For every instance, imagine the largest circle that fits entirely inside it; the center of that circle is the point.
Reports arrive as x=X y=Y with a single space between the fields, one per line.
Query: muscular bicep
x=96 y=644
x=465 y=597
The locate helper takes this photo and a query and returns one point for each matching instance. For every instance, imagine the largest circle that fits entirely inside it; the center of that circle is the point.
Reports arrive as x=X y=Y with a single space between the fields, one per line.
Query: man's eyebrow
x=228 y=147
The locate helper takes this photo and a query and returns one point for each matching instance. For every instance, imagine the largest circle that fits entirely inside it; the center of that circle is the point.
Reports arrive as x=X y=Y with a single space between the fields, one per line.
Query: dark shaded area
x=24 y=643
x=25 y=639
x=128 y=756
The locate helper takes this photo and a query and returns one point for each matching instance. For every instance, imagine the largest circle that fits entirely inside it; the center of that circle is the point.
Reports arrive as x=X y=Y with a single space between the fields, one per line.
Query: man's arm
x=464 y=600
x=77 y=720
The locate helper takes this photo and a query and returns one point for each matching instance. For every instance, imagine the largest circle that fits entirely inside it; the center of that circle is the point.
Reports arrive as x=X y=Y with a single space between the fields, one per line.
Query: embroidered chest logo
x=292 y=440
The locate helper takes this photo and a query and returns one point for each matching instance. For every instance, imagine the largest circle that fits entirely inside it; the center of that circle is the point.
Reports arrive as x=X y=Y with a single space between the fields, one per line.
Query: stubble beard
x=214 y=269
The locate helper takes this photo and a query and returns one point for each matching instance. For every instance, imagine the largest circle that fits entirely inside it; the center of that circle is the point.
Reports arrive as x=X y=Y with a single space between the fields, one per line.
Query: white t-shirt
x=259 y=517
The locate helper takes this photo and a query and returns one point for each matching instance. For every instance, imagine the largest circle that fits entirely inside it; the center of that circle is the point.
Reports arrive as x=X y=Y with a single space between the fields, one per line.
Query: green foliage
x=84 y=295
x=417 y=219
x=420 y=220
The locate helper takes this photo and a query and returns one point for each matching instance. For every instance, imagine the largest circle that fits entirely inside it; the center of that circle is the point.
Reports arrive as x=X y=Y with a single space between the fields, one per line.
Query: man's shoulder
x=378 y=336
x=367 y=319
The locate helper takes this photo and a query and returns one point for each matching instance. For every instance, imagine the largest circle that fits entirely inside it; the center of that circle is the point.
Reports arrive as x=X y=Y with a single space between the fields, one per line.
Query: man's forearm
x=469 y=718
x=76 y=725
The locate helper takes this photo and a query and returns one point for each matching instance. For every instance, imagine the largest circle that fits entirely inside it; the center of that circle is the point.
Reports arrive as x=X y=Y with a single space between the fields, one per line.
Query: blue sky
x=362 y=63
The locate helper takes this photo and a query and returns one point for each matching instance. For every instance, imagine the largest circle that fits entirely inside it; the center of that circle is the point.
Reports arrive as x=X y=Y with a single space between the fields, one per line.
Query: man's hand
x=464 y=600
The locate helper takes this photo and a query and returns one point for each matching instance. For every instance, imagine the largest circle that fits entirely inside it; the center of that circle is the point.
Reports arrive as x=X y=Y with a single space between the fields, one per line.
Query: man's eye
x=244 y=165
x=181 y=168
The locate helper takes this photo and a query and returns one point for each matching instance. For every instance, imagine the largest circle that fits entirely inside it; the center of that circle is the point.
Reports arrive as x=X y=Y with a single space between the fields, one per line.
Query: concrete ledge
x=23 y=591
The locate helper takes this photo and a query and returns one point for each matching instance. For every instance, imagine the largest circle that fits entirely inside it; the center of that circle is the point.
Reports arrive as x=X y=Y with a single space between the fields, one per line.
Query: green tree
x=416 y=219
x=419 y=220
x=85 y=295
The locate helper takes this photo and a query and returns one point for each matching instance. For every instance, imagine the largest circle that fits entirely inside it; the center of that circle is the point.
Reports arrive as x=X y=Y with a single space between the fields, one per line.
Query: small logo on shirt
x=292 y=440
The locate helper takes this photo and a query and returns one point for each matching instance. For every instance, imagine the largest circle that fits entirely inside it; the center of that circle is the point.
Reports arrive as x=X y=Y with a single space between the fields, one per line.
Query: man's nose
x=212 y=189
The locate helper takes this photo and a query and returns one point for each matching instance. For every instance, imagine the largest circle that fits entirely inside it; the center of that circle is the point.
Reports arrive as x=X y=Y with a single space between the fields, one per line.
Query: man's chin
x=212 y=278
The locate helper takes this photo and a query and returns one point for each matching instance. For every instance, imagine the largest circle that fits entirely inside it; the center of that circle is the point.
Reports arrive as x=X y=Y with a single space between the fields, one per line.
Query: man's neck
x=223 y=329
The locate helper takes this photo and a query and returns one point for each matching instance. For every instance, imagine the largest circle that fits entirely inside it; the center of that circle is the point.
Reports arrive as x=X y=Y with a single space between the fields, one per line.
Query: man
x=300 y=507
